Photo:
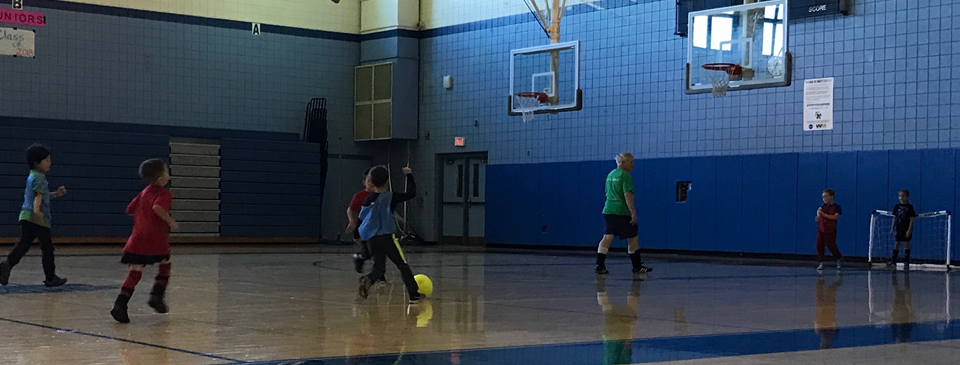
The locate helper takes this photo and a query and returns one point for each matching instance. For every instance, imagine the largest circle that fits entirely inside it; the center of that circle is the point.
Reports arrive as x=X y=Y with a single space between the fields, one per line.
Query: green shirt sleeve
x=38 y=186
x=627 y=183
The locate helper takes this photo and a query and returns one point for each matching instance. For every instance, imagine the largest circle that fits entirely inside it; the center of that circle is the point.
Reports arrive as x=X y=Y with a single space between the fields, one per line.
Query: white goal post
x=930 y=243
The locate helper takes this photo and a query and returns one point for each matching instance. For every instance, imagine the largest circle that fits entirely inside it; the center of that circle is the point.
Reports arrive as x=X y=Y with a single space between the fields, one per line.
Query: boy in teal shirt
x=35 y=218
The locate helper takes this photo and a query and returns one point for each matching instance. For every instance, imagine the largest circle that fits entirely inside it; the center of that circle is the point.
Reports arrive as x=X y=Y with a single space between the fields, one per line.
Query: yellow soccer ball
x=426 y=286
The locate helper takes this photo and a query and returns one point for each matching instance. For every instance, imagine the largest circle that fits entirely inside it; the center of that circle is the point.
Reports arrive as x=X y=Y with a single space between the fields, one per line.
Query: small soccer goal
x=930 y=244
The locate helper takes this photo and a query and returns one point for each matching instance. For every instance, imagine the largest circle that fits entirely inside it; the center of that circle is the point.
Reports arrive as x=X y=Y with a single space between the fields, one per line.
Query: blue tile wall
x=755 y=204
x=892 y=62
x=118 y=67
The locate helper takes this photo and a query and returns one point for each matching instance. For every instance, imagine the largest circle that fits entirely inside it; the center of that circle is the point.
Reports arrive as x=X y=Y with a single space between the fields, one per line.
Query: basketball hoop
x=527 y=102
x=720 y=78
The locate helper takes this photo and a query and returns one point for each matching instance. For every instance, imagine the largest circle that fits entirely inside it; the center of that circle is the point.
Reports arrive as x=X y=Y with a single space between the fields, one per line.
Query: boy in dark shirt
x=378 y=230
x=903 y=216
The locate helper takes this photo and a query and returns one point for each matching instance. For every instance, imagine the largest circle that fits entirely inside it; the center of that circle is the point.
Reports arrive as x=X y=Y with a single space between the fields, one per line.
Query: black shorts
x=619 y=225
x=134 y=259
x=902 y=235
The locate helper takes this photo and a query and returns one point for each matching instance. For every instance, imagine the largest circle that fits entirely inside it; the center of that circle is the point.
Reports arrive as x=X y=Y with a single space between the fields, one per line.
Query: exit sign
x=459 y=141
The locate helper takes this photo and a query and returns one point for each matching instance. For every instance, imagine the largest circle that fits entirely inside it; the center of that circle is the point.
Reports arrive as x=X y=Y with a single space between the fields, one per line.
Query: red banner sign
x=22 y=17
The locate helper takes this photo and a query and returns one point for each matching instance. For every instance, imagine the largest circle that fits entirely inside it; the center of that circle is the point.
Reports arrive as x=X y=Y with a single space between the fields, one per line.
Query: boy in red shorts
x=150 y=241
x=827 y=216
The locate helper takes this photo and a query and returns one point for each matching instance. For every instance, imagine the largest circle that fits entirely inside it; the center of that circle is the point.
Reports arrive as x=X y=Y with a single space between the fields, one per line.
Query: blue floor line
x=662 y=349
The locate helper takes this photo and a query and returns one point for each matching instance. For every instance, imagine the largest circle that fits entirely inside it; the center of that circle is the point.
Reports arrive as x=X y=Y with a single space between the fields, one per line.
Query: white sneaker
x=838 y=264
x=820 y=268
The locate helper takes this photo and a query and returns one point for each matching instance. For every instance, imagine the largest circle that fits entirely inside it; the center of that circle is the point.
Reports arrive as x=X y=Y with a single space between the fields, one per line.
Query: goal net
x=930 y=244
x=902 y=297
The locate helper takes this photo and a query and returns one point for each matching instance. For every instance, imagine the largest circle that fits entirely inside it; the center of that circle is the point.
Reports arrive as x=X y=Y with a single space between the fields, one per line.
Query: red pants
x=827 y=240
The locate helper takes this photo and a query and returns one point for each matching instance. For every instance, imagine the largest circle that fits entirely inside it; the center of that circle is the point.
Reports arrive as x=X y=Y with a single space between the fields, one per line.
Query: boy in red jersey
x=150 y=241
x=353 y=215
x=827 y=216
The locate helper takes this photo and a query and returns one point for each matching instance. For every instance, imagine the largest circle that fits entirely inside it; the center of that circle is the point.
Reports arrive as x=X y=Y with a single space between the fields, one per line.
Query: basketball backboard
x=545 y=79
x=744 y=46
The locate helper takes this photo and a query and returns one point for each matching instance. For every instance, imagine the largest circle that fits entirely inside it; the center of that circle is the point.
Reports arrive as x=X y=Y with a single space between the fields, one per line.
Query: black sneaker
x=601 y=270
x=156 y=302
x=642 y=270
x=906 y=264
x=364 y=290
x=415 y=299
x=5 y=272
x=358 y=263
x=119 y=312
x=56 y=281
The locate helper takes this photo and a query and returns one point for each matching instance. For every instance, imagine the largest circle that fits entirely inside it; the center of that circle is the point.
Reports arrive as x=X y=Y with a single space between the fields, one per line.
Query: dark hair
x=36 y=153
x=830 y=192
x=152 y=169
x=379 y=176
x=905 y=192
x=367 y=172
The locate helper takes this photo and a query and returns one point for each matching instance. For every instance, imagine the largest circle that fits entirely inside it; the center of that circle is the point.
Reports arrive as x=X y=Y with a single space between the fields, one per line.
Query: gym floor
x=298 y=305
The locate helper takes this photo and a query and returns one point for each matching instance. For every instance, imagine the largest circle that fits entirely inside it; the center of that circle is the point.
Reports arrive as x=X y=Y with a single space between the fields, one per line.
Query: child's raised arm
x=411 y=188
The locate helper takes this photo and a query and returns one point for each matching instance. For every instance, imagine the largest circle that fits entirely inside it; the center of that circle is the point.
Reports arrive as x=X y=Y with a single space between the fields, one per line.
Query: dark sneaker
x=642 y=270
x=5 y=272
x=601 y=270
x=119 y=312
x=364 y=290
x=358 y=263
x=55 y=282
x=156 y=302
x=415 y=299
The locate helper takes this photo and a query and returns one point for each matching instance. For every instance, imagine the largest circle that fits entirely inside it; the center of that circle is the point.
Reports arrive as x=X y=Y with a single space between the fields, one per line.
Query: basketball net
x=720 y=81
x=526 y=105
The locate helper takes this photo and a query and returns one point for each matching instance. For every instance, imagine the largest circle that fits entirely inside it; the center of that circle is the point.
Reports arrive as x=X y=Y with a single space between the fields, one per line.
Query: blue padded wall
x=269 y=189
x=730 y=213
x=782 y=217
x=755 y=202
x=842 y=178
x=678 y=214
x=872 y=191
x=702 y=202
x=763 y=204
x=811 y=180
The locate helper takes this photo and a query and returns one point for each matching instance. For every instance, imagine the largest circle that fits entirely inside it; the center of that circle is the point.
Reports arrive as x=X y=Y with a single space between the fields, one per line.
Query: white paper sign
x=818 y=104
x=16 y=42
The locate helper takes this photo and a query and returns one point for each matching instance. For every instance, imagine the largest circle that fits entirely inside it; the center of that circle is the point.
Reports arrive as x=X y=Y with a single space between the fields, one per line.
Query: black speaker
x=315 y=121
x=316 y=131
